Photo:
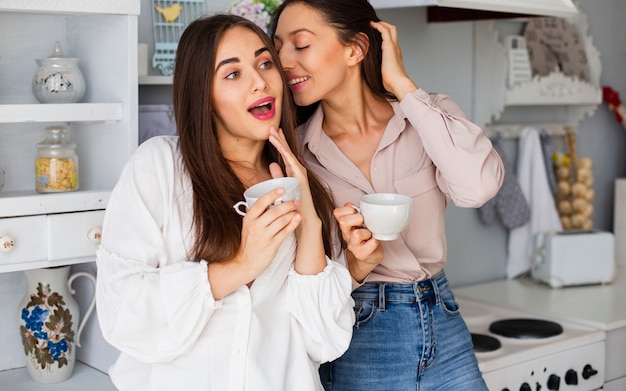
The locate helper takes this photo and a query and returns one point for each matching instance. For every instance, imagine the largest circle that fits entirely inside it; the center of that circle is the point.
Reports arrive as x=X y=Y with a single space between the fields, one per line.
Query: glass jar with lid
x=56 y=164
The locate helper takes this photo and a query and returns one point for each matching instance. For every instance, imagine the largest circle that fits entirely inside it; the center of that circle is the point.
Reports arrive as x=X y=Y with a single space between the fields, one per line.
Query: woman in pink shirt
x=367 y=128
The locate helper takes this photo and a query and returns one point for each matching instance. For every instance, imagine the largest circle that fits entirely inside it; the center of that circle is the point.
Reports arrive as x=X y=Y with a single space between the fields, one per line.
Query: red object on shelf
x=611 y=97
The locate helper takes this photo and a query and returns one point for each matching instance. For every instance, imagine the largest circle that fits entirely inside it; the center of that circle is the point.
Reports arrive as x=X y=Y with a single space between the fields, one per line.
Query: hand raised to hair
x=395 y=78
x=364 y=252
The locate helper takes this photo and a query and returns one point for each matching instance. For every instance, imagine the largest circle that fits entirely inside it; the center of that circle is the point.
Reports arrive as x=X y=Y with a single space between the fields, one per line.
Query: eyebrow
x=294 y=32
x=231 y=60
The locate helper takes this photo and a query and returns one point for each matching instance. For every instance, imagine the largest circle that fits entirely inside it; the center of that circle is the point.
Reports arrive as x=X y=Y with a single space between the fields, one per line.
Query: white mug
x=290 y=184
x=385 y=214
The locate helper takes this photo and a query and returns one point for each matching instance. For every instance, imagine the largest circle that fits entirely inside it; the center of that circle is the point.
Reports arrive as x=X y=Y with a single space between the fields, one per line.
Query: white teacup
x=385 y=214
x=290 y=184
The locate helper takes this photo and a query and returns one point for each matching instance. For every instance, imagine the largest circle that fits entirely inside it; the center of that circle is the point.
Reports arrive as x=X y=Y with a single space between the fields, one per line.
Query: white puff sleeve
x=152 y=303
x=323 y=309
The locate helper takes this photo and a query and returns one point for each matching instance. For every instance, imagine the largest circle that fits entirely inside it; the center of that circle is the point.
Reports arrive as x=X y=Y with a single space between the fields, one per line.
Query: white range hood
x=559 y=8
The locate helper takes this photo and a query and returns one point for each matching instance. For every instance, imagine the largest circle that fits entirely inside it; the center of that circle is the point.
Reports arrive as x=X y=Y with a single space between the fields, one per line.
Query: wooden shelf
x=561 y=8
x=72 y=6
x=29 y=202
x=155 y=80
x=83 y=378
x=554 y=89
x=17 y=267
x=65 y=112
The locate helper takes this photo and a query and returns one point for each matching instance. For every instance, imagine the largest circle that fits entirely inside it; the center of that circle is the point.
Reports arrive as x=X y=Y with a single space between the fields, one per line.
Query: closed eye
x=302 y=47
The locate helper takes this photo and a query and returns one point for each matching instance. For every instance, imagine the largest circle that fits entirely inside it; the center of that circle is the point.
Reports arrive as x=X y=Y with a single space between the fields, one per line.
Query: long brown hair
x=351 y=21
x=216 y=188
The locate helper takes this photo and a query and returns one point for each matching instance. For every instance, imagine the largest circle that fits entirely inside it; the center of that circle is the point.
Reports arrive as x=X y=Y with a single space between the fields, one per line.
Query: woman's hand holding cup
x=378 y=217
x=290 y=186
x=266 y=224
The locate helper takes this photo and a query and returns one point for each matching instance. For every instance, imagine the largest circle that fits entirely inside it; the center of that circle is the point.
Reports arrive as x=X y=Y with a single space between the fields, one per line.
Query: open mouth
x=261 y=109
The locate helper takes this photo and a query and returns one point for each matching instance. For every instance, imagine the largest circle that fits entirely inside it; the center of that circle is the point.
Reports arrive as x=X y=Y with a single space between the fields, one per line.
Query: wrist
x=359 y=270
x=404 y=87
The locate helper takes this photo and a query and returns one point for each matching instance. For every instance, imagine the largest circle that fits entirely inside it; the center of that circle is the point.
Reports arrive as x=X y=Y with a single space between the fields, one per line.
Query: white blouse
x=156 y=307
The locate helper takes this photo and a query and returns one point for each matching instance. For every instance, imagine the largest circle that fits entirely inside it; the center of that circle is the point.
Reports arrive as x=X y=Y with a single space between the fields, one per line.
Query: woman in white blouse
x=193 y=295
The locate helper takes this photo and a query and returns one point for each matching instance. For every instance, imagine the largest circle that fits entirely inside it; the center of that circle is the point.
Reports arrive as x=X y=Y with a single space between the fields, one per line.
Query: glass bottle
x=56 y=165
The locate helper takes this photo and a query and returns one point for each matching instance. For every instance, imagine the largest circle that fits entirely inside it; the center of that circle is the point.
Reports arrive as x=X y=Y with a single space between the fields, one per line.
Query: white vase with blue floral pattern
x=49 y=323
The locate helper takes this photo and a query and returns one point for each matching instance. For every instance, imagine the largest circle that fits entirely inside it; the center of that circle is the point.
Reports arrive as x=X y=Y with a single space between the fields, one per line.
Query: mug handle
x=92 y=303
x=237 y=207
x=358 y=210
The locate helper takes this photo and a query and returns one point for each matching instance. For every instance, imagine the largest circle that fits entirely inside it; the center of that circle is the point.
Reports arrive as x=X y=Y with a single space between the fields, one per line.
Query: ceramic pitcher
x=50 y=324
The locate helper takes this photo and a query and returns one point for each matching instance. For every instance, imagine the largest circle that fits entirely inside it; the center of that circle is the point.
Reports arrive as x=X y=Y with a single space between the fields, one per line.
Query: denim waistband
x=424 y=290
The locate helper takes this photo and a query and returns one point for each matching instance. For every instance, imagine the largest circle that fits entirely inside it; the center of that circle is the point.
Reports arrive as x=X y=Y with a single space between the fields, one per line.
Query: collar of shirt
x=331 y=157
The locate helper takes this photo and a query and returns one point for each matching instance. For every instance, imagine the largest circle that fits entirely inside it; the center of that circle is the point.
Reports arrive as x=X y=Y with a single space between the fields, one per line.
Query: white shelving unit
x=51 y=229
x=543 y=7
x=103 y=36
x=570 y=99
x=83 y=378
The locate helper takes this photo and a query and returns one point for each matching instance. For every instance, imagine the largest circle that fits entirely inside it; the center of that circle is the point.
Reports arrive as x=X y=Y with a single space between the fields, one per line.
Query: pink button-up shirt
x=429 y=151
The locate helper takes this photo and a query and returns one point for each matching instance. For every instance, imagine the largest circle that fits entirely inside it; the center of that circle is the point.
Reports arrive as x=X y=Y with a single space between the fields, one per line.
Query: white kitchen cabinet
x=61 y=228
x=103 y=35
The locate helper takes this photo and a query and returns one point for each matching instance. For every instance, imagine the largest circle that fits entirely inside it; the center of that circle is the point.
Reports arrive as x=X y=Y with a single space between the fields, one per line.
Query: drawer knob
x=95 y=235
x=7 y=243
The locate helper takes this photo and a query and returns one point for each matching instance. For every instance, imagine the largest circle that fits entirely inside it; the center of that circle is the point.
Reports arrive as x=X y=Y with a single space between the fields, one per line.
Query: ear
x=357 y=50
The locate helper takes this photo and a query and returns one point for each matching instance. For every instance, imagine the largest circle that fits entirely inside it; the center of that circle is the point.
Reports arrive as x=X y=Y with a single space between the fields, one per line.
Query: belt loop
x=435 y=288
x=381 y=296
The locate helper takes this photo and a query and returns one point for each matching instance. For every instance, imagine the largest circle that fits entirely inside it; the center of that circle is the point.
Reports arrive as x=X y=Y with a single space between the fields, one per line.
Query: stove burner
x=485 y=343
x=526 y=328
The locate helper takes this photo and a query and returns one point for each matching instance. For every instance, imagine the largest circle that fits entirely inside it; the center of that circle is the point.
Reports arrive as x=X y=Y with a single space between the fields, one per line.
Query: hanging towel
x=548 y=149
x=531 y=173
x=509 y=203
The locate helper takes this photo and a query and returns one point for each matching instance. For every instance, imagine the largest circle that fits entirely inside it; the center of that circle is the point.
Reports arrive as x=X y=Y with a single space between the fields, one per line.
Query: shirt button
x=376 y=168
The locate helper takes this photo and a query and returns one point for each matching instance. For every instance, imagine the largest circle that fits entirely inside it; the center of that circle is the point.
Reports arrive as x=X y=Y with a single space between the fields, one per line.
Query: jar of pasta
x=56 y=165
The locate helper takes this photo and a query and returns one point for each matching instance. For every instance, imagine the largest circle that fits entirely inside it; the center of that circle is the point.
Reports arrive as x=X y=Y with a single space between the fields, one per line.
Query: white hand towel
x=532 y=176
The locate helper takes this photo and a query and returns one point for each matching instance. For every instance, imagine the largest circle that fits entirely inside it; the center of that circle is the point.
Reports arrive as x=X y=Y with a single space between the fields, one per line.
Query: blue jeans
x=407 y=337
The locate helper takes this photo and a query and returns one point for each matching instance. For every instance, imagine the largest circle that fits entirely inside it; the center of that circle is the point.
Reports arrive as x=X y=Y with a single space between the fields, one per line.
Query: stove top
x=521 y=351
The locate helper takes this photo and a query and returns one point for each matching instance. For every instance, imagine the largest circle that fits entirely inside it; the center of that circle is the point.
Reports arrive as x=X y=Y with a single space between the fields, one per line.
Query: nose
x=258 y=82
x=286 y=60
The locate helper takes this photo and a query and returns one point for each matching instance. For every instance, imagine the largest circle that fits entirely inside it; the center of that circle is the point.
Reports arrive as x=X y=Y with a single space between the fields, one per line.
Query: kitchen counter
x=599 y=306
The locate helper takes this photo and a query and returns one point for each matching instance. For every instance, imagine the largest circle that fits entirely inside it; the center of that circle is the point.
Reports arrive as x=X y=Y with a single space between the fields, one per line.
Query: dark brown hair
x=351 y=20
x=216 y=188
